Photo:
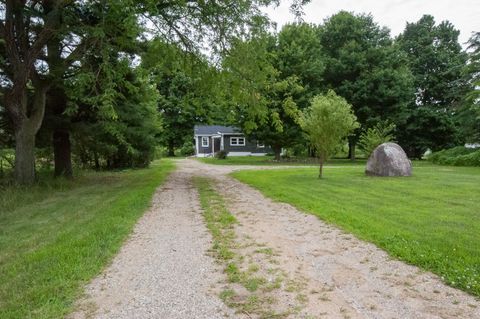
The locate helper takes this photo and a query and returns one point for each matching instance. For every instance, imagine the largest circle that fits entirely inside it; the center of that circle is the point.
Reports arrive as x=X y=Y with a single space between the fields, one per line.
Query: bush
x=187 y=148
x=221 y=155
x=457 y=156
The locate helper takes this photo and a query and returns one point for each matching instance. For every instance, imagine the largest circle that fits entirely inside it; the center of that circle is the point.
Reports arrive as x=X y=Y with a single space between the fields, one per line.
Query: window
x=205 y=141
x=260 y=145
x=237 y=141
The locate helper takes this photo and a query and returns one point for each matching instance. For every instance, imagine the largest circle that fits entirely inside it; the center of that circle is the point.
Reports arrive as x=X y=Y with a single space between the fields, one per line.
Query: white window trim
x=237 y=139
x=260 y=145
x=205 y=138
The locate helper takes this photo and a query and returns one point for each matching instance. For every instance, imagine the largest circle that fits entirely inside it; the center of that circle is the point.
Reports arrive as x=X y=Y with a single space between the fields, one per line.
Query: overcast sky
x=464 y=14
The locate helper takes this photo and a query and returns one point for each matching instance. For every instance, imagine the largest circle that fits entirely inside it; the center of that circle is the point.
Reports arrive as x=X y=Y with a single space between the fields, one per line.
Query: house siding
x=250 y=146
x=204 y=150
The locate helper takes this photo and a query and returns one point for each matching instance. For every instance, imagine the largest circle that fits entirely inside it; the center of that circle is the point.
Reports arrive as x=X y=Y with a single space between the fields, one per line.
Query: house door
x=216 y=144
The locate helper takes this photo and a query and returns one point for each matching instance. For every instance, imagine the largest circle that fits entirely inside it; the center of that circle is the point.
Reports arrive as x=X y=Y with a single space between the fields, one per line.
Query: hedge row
x=457 y=156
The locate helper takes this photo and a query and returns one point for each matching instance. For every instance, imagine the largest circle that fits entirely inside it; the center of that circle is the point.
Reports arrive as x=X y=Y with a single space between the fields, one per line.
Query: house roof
x=214 y=129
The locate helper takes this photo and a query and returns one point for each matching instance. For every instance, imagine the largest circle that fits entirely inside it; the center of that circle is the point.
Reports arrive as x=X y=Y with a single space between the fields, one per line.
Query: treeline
x=70 y=82
x=101 y=84
x=421 y=82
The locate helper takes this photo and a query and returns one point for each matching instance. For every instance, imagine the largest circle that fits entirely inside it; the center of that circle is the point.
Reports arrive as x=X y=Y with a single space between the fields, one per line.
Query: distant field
x=431 y=219
x=269 y=160
x=56 y=236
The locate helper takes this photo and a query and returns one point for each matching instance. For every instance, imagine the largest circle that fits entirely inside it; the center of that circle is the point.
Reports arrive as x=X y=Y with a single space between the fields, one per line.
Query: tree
x=327 y=122
x=469 y=114
x=365 y=68
x=437 y=61
x=262 y=102
x=298 y=53
x=375 y=136
x=188 y=87
x=129 y=138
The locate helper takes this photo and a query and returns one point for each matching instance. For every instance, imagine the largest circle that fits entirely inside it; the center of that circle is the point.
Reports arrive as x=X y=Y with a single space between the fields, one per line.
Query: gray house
x=210 y=139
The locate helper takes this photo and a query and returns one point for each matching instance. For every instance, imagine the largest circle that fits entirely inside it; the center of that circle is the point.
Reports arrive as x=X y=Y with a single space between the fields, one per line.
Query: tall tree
x=436 y=60
x=365 y=68
x=188 y=87
x=262 y=102
x=469 y=115
x=298 y=53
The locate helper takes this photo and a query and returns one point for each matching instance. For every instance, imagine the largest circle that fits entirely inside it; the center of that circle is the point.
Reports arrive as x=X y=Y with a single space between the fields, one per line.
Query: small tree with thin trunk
x=327 y=122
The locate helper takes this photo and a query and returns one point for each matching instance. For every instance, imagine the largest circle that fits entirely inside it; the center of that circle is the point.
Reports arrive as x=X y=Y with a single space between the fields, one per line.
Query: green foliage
x=374 y=136
x=299 y=53
x=434 y=224
x=125 y=136
x=327 y=122
x=187 y=149
x=59 y=234
x=457 y=156
x=262 y=102
x=436 y=59
x=365 y=67
x=437 y=62
x=221 y=155
x=426 y=128
x=188 y=88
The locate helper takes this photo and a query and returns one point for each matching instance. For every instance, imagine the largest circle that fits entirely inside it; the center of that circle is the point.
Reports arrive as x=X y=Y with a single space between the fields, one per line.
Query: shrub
x=187 y=148
x=221 y=155
x=374 y=136
x=457 y=156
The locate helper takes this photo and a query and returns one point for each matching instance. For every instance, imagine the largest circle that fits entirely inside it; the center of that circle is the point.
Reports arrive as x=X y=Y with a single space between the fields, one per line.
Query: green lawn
x=56 y=236
x=268 y=160
x=431 y=219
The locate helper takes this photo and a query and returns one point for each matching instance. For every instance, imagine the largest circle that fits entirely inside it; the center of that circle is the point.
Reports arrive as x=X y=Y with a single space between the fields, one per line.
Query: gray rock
x=389 y=159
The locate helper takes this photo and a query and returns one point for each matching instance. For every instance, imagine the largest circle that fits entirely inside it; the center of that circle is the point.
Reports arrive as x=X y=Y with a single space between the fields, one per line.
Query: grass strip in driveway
x=431 y=220
x=55 y=237
x=250 y=287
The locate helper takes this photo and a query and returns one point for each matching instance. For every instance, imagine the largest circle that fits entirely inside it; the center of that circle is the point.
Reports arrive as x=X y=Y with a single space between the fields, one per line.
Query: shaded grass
x=56 y=236
x=431 y=220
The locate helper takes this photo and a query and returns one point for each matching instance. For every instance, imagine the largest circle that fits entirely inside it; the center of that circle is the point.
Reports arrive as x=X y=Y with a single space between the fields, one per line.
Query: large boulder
x=389 y=159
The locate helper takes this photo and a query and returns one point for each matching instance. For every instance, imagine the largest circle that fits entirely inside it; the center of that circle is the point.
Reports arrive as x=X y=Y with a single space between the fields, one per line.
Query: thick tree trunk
x=26 y=128
x=60 y=124
x=277 y=150
x=62 y=153
x=351 y=150
x=25 y=155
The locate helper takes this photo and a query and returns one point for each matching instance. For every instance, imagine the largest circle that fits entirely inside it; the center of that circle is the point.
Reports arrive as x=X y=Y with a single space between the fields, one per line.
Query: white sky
x=464 y=14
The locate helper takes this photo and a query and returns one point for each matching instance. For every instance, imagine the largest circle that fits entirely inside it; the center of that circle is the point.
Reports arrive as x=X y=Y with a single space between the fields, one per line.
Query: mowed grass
x=56 y=236
x=431 y=220
x=269 y=160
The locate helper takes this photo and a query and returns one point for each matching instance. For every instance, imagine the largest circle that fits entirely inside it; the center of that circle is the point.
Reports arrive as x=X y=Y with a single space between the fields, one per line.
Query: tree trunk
x=17 y=103
x=277 y=150
x=97 y=161
x=25 y=155
x=351 y=150
x=62 y=153
x=171 y=149
x=320 y=170
x=60 y=123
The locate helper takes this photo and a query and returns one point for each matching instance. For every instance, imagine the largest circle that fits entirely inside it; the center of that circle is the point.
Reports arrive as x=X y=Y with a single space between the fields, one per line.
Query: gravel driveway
x=164 y=271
